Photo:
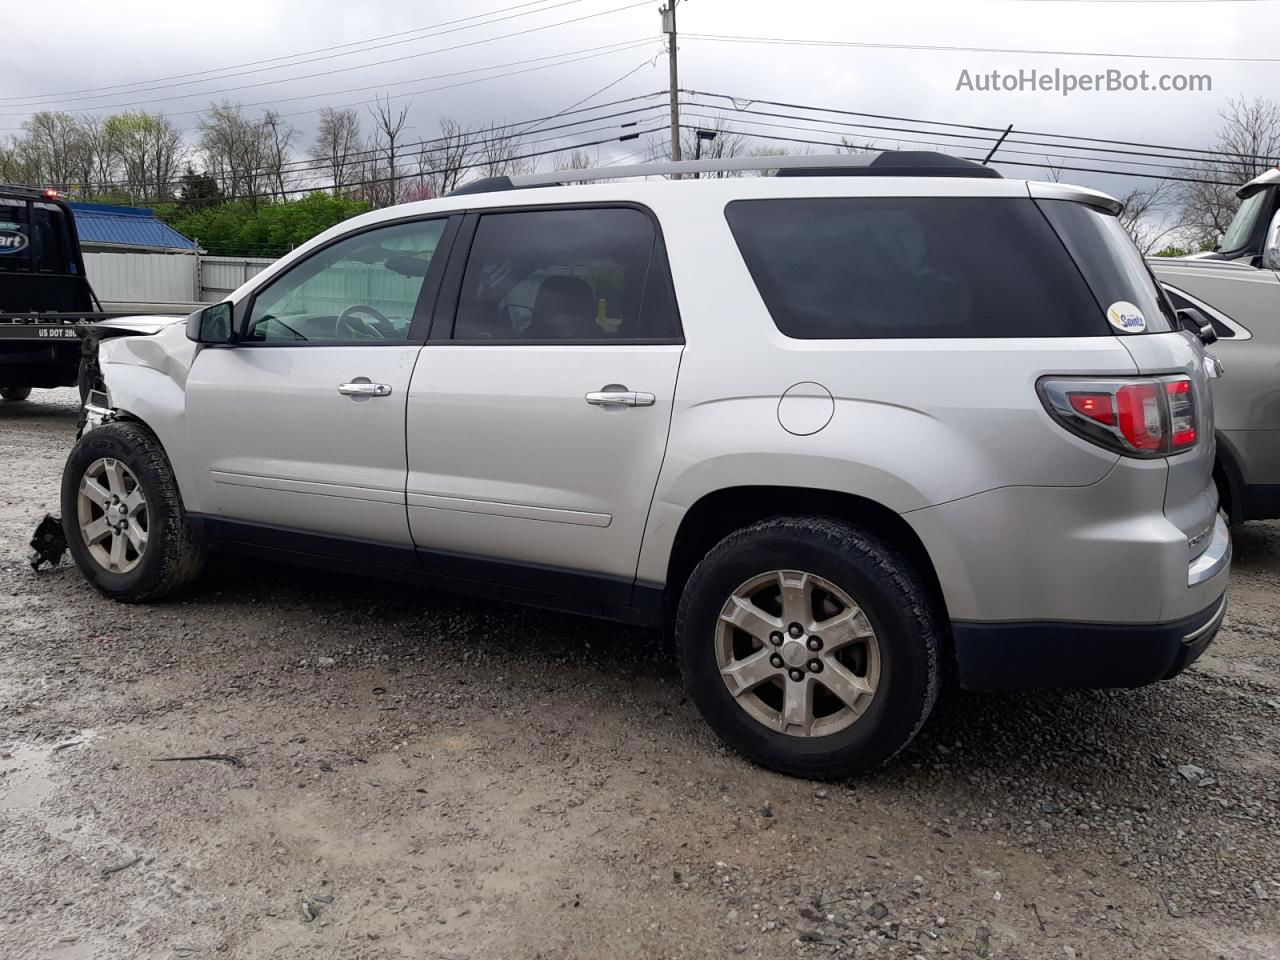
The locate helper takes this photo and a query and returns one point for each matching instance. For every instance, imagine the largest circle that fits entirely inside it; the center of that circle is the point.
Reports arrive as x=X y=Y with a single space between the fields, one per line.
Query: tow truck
x=50 y=319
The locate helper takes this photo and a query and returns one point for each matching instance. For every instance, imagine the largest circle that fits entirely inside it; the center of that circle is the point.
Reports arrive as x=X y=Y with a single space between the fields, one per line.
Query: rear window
x=1116 y=271
x=911 y=267
x=33 y=238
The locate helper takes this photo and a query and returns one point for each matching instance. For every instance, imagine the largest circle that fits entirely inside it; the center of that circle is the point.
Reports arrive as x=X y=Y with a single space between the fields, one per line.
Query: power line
x=450 y=86
x=359 y=66
x=1004 y=150
x=591 y=96
x=969 y=126
x=619 y=47
x=893 y=132
x=290 y=56
x=608 y=50
x=1013 y=163
x=942 y=48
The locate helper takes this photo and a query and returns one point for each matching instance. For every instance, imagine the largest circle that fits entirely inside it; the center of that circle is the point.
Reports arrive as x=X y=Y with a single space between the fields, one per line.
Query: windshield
x=1240 y=233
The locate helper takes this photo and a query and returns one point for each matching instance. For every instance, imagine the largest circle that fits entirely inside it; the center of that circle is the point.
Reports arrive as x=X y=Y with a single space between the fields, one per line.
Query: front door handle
x=616 y=395
x=362 y=389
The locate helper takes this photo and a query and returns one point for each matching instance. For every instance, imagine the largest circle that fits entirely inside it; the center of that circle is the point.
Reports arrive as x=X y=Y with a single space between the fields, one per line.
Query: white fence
x=167 y=278
x=143 y=277
x=220 y=275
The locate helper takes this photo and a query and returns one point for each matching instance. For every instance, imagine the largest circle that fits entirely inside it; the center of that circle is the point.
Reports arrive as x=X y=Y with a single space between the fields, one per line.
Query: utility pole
x=669 y=28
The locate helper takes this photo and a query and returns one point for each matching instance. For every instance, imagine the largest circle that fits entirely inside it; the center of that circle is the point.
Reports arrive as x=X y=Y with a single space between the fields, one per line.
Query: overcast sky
x=86 y=46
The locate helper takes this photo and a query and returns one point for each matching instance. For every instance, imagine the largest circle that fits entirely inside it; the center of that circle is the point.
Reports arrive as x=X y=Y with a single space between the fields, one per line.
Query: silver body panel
x=1247 y=399
x=494 y=451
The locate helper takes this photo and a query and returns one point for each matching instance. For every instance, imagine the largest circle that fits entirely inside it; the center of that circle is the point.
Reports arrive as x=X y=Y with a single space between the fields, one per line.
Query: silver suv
x=1236 y=289
x=836 y=428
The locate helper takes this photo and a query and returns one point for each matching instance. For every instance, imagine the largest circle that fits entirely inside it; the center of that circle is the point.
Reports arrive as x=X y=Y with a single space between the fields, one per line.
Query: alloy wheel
x=111 y=511
x=797 y=653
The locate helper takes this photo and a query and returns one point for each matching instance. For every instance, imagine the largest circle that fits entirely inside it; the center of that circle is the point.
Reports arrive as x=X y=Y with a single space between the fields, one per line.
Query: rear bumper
x=1020 y=656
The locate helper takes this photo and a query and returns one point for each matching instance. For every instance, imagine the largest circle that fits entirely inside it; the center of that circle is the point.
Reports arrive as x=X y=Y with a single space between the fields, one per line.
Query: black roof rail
x=883 y=163
x=483 y=185
x=902 y=163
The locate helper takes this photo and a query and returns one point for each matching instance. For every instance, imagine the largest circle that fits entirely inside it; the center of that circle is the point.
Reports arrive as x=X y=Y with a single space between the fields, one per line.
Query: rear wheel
x=123 y=518
x=809 y=646
x=14 y=394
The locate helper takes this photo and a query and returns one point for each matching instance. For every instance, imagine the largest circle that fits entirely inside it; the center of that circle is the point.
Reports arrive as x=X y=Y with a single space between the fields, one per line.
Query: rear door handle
x=615 y=395
x=362 y=389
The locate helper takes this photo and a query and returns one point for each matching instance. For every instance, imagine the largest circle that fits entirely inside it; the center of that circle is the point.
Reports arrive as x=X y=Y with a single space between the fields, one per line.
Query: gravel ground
x=425 y=776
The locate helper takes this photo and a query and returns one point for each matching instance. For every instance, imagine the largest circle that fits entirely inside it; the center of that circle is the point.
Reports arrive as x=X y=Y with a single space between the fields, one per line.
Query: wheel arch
x=157 y=403
x=718 y=513
x=1229 y=479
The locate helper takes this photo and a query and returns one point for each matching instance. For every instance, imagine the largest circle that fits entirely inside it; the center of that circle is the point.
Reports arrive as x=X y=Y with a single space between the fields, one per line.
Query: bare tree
x=501 y=153
x=1145 y=215
x=100 y=156
x=52 y=142
x=1247 y=145
x=444 y=161
x=337 y=145
x=235 y=152
x=1053 y=167
x=13 y=167
x=150 y=152
x=854 y=145
x=389 y=123
x=277 y=139
x=575 y=159
x=723 y=143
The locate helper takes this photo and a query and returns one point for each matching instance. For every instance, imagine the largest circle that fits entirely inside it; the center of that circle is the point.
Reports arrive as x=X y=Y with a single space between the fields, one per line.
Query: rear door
x=538 y=421
x=301 y=424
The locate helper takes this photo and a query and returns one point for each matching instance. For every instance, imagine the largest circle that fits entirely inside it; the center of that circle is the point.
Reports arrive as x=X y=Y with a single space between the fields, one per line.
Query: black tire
x=891 y=594
x=173 y=557
x=14 y=394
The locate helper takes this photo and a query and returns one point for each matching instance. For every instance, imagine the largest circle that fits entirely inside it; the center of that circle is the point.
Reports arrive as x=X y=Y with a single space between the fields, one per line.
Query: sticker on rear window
x=1124 y=316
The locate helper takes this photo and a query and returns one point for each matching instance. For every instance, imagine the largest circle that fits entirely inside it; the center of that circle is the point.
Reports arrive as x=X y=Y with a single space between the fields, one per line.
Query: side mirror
x=1194 y=321
x=212 y=324
x=1271 y=245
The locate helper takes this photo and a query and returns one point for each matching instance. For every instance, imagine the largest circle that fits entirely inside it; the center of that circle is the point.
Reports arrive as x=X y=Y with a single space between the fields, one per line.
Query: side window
x=363 y=288
x=1180 y=302
x=577 y=275
x=912 y=267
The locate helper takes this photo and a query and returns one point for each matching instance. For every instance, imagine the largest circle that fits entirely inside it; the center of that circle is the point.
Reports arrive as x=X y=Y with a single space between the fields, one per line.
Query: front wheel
x=809 y=646
x=14 y=394
x=123 y=517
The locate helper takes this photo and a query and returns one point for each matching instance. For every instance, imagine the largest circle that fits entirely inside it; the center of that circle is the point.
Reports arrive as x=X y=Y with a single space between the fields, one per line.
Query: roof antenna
x=993 y=150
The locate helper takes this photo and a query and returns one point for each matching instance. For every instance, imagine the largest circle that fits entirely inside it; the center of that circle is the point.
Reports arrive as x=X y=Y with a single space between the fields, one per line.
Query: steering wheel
x=379 y=329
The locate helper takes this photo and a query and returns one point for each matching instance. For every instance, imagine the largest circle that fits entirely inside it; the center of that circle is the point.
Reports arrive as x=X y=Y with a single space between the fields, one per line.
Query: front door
x=537 y=430
x=302 y=422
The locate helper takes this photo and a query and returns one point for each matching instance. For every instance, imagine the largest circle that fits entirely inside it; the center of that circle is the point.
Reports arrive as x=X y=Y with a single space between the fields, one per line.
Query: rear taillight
x=1137 y=417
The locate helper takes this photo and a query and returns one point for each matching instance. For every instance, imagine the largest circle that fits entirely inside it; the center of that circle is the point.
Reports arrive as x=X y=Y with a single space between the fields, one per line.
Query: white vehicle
x=835 y=428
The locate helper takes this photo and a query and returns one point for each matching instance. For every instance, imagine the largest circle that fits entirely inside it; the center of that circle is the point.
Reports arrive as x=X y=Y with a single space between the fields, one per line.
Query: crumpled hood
x=141 y=325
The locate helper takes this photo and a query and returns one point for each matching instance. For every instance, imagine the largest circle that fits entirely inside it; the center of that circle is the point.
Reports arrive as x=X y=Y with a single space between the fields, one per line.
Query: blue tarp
x=127 y=226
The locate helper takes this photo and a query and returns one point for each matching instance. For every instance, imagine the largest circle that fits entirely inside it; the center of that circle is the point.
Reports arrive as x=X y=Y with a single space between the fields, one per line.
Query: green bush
x=236 y=229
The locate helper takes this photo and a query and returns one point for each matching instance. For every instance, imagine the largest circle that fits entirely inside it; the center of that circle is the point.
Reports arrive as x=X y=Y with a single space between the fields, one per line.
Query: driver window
x=362 y=289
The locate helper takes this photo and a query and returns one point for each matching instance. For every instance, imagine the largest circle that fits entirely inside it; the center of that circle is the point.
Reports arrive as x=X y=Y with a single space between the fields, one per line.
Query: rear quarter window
x=1115 y=270
x=912 y=267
